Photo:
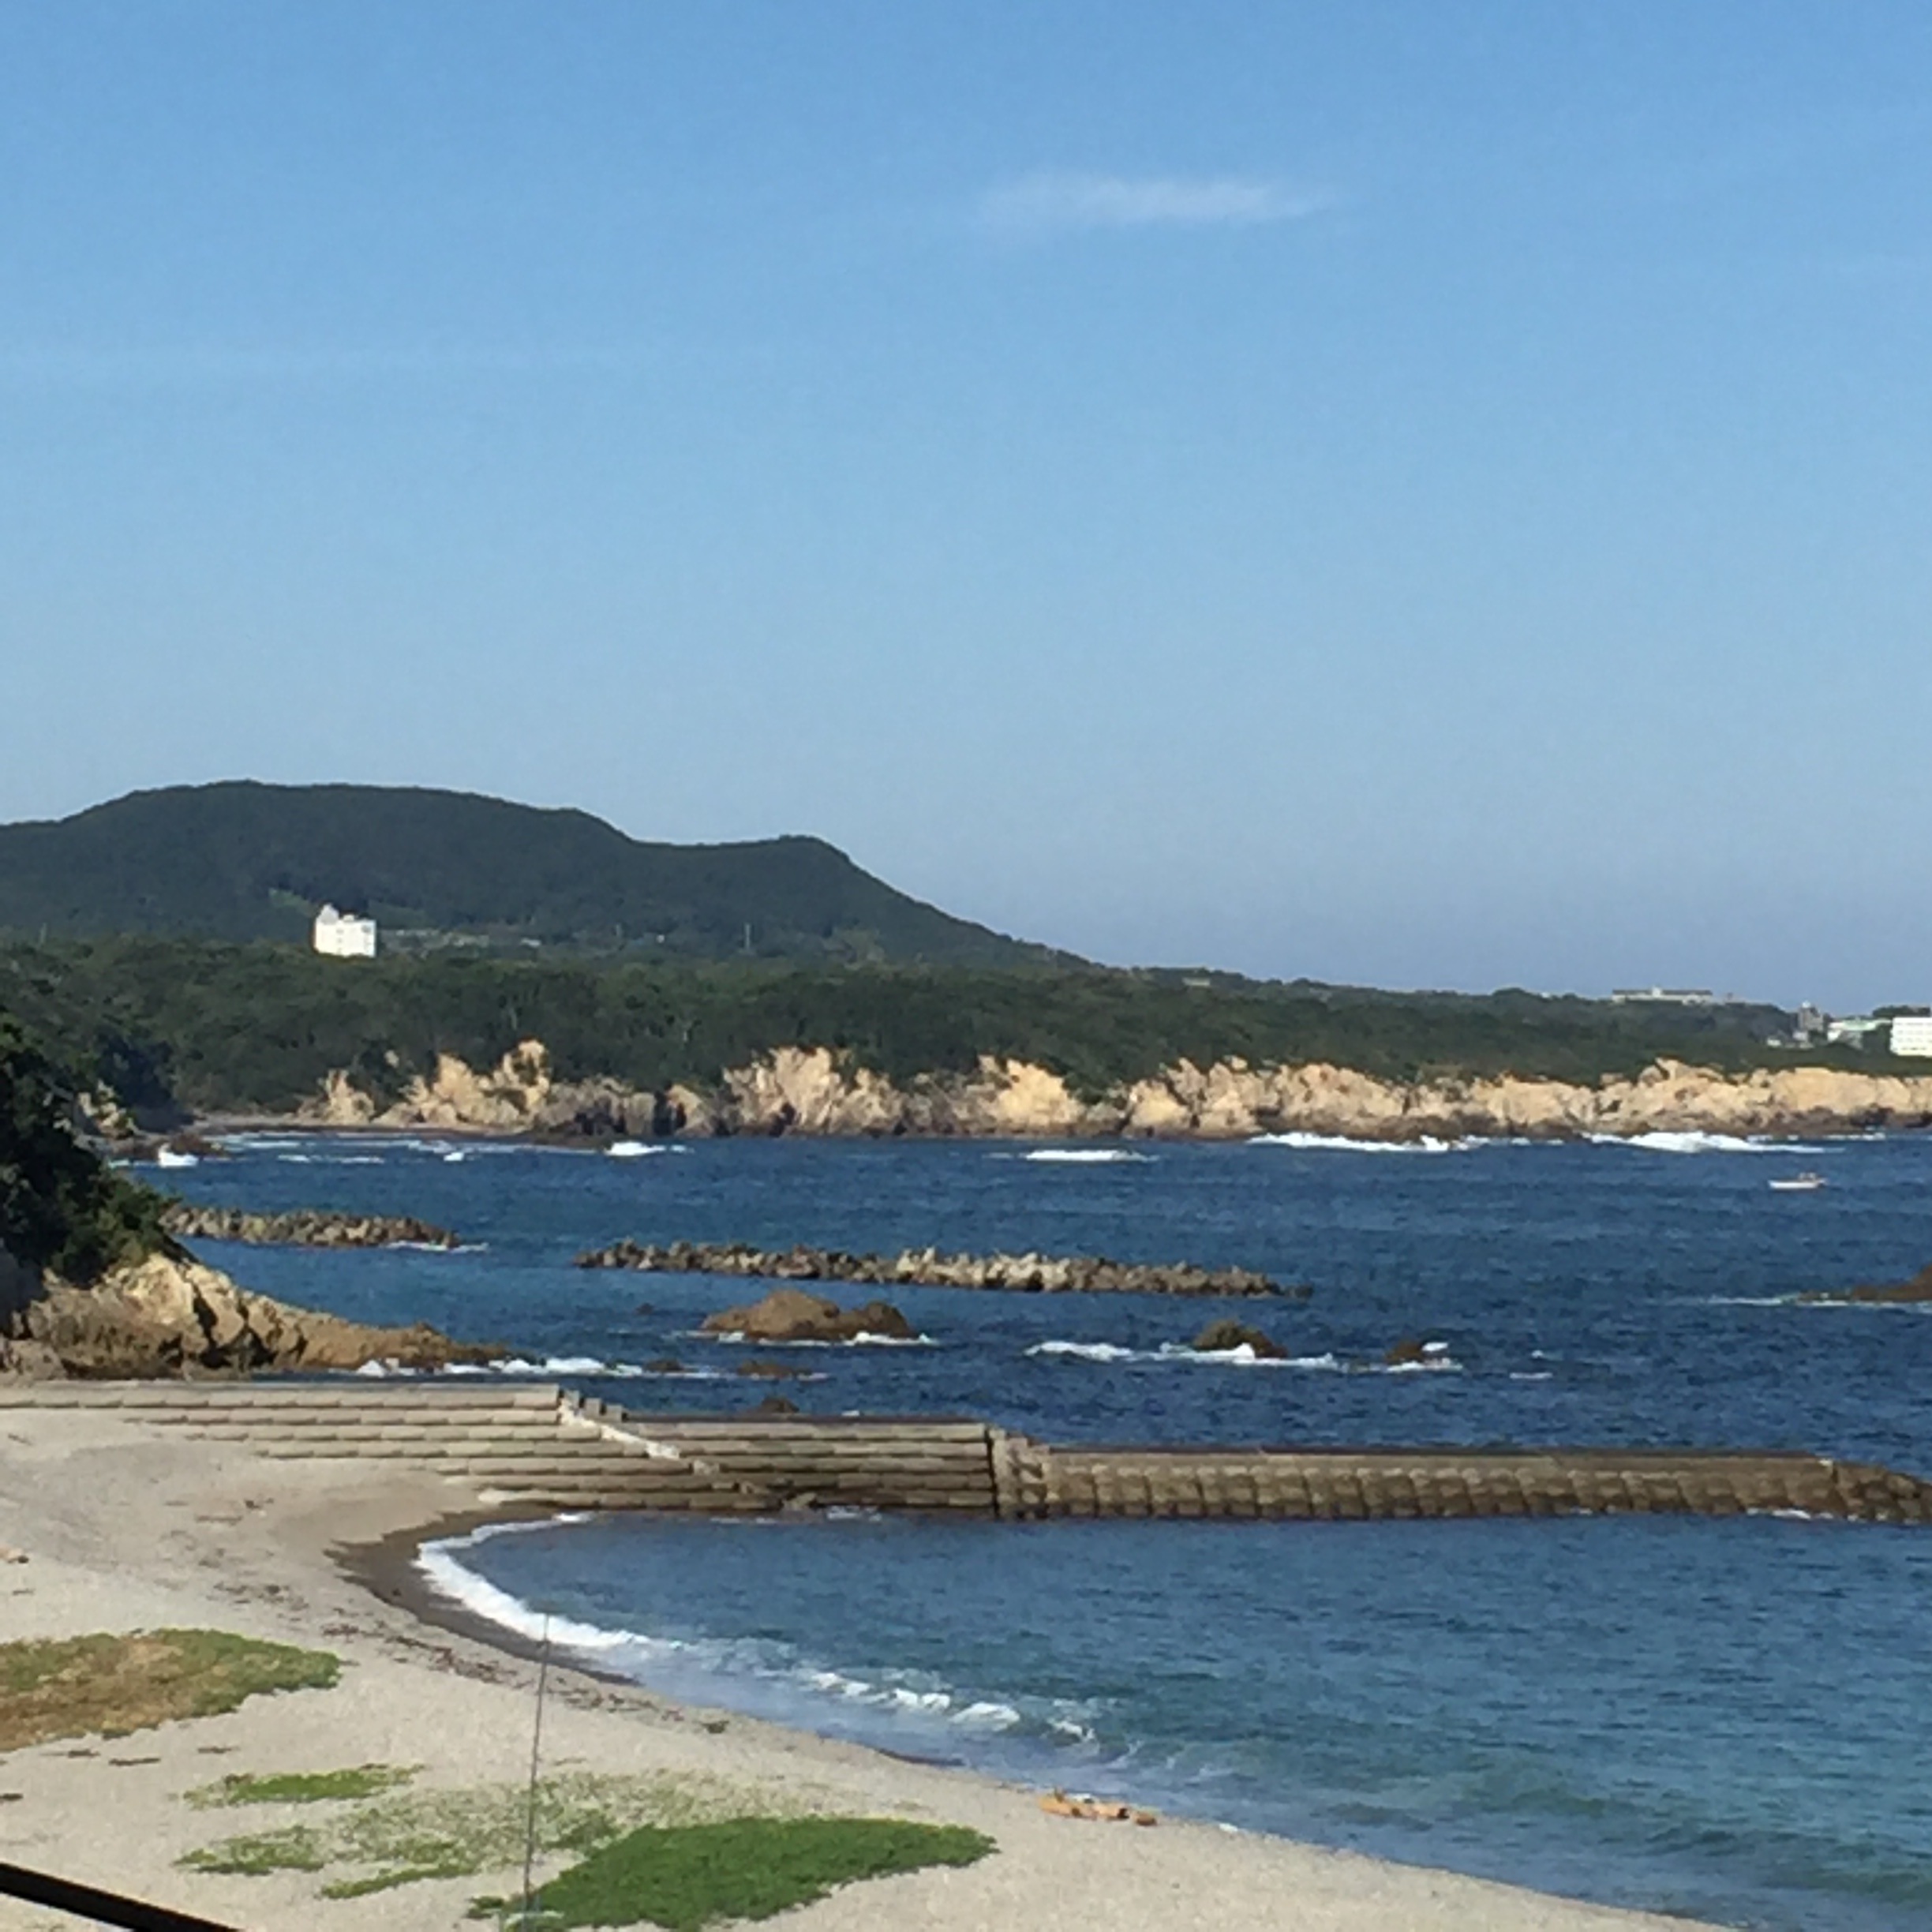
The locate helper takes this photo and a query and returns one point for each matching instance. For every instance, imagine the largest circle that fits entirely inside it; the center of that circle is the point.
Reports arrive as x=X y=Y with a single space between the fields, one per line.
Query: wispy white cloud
x=1038 y=204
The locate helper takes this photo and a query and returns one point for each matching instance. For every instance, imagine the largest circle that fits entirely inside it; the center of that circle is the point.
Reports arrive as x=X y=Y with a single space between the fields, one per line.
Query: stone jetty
x=926 y=1267
x=516 y=1445
x=303 y=1227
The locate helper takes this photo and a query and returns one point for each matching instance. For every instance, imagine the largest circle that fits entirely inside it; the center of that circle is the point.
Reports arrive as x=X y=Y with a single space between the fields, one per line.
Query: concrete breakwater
x=302 y=1227
x=926 y=1267
x=517 y=1445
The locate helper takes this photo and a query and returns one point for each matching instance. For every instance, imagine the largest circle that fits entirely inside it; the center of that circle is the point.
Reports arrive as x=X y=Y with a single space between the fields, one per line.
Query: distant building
x=1854 y=1032
x=343 y=936
x=1912 y=1036
x=1668 y=996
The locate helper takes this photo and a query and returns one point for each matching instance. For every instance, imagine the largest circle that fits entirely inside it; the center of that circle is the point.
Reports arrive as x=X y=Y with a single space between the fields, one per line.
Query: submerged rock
x=1918 y=1289
x=1218 y=1338
x=791 y=1314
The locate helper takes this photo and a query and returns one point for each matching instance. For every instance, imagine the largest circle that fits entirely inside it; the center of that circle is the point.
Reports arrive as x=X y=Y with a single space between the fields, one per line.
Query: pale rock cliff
x=813 y=1091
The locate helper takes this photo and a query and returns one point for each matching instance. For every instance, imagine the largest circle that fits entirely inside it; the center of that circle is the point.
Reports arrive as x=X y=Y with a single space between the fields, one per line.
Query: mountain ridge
x=242 y=860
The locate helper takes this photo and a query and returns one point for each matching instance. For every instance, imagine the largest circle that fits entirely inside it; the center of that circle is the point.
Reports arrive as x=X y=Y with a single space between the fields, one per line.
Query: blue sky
x=1421 y=494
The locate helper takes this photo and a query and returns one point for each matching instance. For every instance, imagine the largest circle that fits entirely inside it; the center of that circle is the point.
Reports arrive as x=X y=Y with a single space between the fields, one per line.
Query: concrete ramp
x=514 y=1444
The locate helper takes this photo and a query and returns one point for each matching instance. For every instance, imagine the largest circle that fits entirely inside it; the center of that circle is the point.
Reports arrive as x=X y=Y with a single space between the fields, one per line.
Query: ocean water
x=1723 y=1719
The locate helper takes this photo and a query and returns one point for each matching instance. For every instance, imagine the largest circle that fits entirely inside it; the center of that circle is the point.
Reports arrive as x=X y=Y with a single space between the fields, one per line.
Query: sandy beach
x=121 y=1532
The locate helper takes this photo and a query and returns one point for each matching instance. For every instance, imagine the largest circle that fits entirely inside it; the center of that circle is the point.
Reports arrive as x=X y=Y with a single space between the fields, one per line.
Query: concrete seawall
x=534 y=1444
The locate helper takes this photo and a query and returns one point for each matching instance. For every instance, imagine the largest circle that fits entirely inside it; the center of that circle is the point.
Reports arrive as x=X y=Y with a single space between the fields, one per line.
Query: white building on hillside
x=343 y=936
x=1911 y=1035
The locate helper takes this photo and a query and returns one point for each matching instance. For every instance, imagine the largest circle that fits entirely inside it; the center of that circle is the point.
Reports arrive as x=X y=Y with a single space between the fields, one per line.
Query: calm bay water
x=1723 y=1719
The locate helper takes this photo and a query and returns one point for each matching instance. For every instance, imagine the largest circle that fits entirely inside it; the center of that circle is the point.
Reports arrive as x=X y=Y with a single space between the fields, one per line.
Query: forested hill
x=244 y=861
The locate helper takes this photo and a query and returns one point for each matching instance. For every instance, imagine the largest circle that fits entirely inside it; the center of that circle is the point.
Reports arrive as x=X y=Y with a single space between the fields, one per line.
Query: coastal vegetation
x=681 y=1851
x=107 y=1686
x=62 y=1207
x=174 y=1026
x=744 y=1868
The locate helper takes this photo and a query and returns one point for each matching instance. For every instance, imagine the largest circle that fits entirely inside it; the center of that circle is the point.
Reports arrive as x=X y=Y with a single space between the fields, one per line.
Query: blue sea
x=1726 y=1719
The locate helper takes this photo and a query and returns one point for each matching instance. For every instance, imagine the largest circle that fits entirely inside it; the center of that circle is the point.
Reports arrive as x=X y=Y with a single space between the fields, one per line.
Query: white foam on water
x=1241 y=1356
x=331 y=1160
x=1091 y=1351
x=894 y=1694
x=168 y=1157
x=1692 y=1142
x=449 y=1578
x=1526 y=1375
x=865 y=1339
x=630 y=1150
x=1342 y=1144
x=1089 y=1157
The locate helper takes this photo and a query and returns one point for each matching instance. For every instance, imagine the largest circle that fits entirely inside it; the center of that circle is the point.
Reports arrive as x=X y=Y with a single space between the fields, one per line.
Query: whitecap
x=990 y=1715
x=1087 y=1157
x=865 y=1339
x=630 y=1150
x=1343 y=1143
x=1242 y=1356
x=171 y=1157
x=1689 y=1141
x=1089 y=1351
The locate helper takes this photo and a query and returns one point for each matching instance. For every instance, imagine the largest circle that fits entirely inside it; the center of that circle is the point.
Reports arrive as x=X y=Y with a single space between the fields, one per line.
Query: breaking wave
x=772 y=1678
x=1693 y=1142
x=1089 y=1157
x=1343 y=1143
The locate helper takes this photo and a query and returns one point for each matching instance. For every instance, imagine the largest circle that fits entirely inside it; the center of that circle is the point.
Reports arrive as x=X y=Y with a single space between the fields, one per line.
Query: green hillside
x=242 y=861
x=175 y=1025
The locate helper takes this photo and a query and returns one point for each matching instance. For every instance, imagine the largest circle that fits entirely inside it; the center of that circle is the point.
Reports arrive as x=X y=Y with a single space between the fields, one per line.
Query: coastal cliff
x=813 y=1091
x=168 y=1315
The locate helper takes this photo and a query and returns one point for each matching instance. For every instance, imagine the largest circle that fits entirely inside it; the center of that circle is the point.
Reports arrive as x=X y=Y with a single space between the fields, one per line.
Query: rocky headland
x=926 y=1267
x=815 y=1090
x=302 y=1227
x=169 y=1315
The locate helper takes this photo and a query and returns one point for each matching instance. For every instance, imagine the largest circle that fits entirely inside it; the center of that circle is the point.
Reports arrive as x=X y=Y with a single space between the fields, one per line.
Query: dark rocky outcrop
x=1918 y=1289
x=169 y=1315
x=791 y=1314
x=926 y=1267
x=302 y=1227
x=1218 y=1338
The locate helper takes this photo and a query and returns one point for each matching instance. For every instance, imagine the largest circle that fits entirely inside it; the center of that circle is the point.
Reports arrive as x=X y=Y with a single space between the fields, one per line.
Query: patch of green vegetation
x=688 y=1877
x=294 y=1847
x=171 y=1024
x=62 y=1207
x=396 y=1837
x=108 y=1686
x=245 y=1787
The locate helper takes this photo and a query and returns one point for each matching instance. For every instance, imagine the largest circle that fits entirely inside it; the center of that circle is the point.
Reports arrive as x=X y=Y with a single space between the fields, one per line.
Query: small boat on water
x=629 y=1150
x=1798 y=1184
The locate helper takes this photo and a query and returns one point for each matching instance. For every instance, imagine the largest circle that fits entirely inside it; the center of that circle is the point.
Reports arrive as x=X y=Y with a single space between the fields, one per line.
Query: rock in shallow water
x=791 y=1314
x=1219 y=1338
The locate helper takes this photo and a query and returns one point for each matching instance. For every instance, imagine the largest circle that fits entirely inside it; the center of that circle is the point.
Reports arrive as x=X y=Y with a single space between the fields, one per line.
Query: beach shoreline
x=121 y=1531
